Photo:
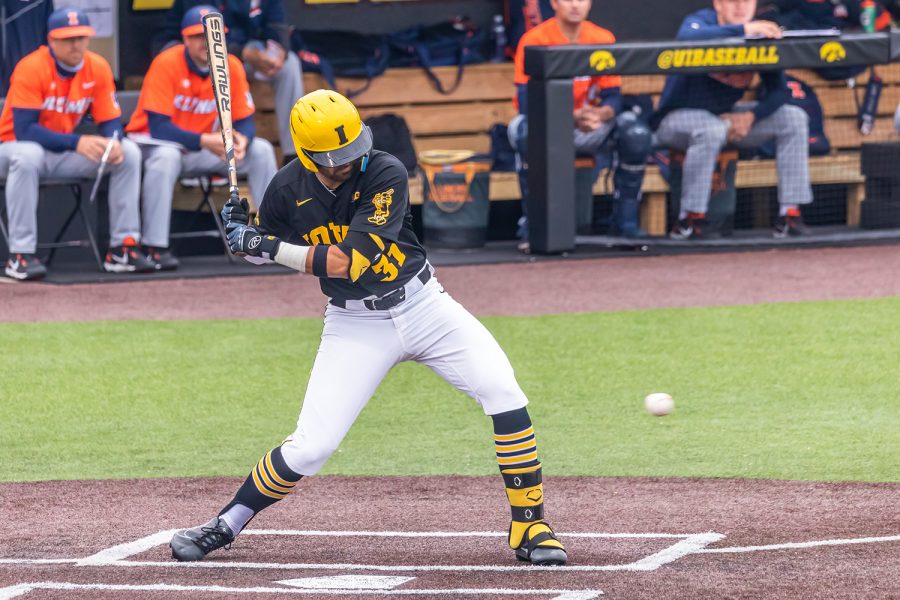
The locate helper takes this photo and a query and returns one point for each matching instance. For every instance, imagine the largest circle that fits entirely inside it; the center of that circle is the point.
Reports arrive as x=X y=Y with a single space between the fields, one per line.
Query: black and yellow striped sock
x=517 y=456
x=269 y=481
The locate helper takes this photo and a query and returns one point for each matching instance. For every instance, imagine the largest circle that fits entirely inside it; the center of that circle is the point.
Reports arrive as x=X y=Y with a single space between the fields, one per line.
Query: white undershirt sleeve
x=293 y=256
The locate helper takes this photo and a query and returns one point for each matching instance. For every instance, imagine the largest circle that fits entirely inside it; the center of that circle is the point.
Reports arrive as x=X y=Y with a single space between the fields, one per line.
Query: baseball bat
x=104 y=160
x=214 y=27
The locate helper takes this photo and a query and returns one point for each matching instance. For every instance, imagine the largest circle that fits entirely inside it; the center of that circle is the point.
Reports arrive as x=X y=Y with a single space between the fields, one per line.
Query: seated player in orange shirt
x=177 y=109
x=52 y=89
x=601 y=124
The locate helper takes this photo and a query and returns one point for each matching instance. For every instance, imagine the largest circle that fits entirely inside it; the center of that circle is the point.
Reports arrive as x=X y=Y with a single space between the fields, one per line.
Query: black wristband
x=320 y=261
x=268 y=247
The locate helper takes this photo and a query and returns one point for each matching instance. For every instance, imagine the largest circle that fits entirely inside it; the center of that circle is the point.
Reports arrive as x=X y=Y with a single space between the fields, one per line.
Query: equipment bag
x=336 y=54
x=458 y=42
x=391 y=134
x=457 y=206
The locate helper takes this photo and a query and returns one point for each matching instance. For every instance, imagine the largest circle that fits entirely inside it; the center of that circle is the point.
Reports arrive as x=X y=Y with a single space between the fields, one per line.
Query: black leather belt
x=391 y=299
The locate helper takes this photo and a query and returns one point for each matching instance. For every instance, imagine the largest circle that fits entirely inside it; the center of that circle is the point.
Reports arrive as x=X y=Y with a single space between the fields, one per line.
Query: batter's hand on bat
x=235 y=213
x=246 y=239
x=214 y=143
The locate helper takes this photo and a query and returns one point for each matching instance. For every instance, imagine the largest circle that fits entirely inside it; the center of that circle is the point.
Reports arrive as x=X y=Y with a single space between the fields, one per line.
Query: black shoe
x=128 y=258
x=161 y=257
x=195 y=543
x=25 y=267
x=689 y=228
x=790 y=225
x=541 y=546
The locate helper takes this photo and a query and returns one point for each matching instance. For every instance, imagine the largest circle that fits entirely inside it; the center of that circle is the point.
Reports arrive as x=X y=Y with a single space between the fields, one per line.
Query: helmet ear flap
x=307 y=162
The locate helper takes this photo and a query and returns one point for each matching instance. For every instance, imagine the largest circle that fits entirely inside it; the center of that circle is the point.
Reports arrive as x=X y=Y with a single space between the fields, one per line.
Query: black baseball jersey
x=299 y=209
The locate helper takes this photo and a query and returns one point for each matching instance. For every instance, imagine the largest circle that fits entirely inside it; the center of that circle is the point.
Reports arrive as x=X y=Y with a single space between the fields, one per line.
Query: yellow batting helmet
x=327 y=130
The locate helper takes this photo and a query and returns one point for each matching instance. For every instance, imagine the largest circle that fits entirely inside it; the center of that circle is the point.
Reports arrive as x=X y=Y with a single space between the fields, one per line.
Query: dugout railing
x=551 y=181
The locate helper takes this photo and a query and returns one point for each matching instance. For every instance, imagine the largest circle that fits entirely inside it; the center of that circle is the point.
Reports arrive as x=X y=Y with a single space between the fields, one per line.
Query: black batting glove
x=235 y=212
x=245 y=239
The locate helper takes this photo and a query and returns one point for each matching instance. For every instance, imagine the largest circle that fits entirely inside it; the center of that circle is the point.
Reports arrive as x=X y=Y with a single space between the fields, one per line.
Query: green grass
x=788 y=391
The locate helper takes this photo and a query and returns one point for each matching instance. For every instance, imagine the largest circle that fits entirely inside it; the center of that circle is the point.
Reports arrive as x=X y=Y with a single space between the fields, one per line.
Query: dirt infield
x=430 y=537
x=545 y=287
x=628 y=538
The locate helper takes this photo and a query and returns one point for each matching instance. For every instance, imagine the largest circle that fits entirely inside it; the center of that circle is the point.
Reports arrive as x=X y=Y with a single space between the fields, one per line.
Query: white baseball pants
x=360 y=346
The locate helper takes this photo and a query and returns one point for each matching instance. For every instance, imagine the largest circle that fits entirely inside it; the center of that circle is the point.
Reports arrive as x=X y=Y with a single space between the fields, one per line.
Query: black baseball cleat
x=195 y=543
x=127 y=258
x=25 y=267
x=162 y=258
x=689 y=228
x=790 y=225
x=540 y=546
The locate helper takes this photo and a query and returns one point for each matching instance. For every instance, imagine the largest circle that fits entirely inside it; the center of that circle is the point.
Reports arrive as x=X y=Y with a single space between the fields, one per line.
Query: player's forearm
x=27 y=129
x=321 y=261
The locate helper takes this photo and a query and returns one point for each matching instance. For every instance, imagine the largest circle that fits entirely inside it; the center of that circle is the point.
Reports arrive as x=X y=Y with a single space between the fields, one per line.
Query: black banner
x=730 y=54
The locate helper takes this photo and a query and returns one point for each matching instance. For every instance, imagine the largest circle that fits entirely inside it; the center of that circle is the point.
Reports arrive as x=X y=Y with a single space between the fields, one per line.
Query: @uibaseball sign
x=718 y=57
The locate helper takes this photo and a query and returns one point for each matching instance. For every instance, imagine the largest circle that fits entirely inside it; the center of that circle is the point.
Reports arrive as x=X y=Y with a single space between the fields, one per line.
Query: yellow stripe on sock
x=262 y=489
x=273 y=474
x=511 y=437
x=267 y=479
x=517 y=459
x=514 y=447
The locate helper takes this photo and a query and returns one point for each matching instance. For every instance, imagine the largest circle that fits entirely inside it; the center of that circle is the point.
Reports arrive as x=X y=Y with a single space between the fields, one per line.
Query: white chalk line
x=122 y=551
x=438 y=534
x=19 y=590
x=797 y=545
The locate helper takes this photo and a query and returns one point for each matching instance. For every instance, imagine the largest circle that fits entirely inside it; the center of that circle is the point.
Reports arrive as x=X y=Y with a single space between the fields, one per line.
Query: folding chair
x=219 y=231
x=75 y=186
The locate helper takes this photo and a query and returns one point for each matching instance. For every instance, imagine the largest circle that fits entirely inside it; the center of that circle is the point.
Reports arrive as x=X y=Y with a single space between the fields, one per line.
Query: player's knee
x=131 y=154
x=501 y=394
x=164 y=159
x=712 y=134
x=795 y=118
x=27 y=156
x=304 y=456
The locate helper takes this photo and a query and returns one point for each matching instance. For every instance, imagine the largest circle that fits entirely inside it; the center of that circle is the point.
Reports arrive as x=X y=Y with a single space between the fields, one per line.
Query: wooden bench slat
x=471 y=117
x=843 y=133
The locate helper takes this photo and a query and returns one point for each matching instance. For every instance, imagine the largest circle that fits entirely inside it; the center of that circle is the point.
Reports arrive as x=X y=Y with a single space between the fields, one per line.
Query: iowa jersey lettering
x=387 y=264
x=326 y=234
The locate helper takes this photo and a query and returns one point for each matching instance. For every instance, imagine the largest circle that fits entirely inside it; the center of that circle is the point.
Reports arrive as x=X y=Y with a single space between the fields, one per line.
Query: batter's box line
x=16 y=591
x=117 y=556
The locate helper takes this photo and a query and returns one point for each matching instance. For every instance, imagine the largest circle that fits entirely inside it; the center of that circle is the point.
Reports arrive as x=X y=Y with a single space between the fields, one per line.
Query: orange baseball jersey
x=63 y=102
x=172 y=89
x=549 y=34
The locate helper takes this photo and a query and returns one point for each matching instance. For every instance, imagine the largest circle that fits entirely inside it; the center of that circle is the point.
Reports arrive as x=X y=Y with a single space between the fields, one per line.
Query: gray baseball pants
x=288 y=87
x=163 y=165
x=702 y=135
x=24 y=164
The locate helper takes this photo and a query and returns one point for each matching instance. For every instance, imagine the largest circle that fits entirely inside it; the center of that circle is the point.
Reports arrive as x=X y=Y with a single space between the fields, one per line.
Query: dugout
x=551 y=69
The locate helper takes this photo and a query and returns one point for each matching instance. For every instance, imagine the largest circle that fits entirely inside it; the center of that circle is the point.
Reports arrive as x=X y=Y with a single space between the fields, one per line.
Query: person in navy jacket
x=701 y=114
x=258 y=34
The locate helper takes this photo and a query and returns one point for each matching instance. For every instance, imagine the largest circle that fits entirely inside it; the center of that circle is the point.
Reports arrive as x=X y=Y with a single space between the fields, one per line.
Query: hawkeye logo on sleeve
x=718 y=57
x=382 y=202
x=832 y=52
x=603 y=60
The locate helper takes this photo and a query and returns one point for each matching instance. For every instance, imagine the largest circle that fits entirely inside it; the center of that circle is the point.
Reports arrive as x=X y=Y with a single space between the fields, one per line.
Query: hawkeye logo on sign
x=602 y=60
x=718 y=57
x=832 y=52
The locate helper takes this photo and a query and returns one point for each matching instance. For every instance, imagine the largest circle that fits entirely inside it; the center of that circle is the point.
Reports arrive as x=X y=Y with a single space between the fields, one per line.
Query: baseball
x=659 y=404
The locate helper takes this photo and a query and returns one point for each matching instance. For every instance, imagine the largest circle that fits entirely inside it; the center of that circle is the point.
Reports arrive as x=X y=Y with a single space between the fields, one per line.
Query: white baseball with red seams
x=659 y=404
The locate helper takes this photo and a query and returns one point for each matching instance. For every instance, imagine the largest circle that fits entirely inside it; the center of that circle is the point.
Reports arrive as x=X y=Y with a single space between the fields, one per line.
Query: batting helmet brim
x=358 y=148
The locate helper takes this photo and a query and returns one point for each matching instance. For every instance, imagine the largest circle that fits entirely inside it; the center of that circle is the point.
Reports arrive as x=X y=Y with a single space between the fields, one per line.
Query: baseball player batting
x=341 y=213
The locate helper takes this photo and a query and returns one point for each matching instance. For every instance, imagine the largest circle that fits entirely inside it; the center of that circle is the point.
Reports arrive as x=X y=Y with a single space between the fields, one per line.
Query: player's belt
x=391 y=299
